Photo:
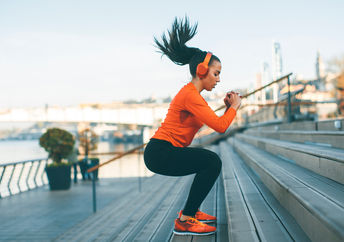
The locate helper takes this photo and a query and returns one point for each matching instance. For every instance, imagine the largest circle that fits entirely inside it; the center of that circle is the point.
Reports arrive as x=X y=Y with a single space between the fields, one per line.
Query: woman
x=167 y=152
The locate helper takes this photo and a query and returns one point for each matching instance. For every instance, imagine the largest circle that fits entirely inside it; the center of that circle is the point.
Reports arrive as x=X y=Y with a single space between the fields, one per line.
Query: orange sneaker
x=192 y=227
x=202 y=217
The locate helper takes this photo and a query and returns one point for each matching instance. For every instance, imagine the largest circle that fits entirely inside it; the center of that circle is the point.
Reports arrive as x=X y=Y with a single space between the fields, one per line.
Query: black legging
x=163 y=158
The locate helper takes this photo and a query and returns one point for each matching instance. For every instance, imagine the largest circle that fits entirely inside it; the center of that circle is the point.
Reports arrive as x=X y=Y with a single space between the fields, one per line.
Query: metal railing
x=17 y=177
x=92 y=170
x=22 y=176
x=275 y=82
x=291 y=105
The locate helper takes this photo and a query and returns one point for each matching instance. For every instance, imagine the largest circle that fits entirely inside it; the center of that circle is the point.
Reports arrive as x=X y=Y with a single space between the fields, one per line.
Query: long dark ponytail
x=174 y=46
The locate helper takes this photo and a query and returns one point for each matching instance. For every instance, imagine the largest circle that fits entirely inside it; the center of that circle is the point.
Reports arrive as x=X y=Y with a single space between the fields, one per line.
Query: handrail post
x=289 y=103
x=94 y=196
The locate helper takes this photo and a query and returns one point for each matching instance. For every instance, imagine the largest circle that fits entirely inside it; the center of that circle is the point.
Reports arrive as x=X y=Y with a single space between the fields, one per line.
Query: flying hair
x=173 y=45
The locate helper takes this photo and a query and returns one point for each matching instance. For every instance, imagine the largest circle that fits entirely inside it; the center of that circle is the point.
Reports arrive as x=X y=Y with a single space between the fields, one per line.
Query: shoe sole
x=207 y=221
x=192 y=233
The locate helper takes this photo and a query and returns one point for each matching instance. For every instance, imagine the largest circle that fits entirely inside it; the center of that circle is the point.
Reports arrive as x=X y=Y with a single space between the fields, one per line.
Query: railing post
x=28 y=176
x=44 y=171
x=10 y=180
x=2 y=175
x=94 y=191
x=289 y=102
x=20 y=175
x=36 y=173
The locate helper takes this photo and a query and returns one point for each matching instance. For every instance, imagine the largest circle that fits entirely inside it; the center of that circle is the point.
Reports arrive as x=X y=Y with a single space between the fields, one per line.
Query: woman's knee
x=217 y=162
x=214 y=162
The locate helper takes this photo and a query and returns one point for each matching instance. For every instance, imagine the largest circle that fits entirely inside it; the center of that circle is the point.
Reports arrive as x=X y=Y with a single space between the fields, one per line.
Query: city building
x=319 y=67
x=277 y=69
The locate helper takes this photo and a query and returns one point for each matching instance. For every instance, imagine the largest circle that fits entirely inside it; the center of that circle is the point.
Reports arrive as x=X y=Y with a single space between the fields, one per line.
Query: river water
x=128 y=166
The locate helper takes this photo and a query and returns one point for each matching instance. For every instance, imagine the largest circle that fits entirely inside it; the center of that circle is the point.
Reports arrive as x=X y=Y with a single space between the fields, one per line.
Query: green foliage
x=58 y=143
x=88 y=140
x=55 y=164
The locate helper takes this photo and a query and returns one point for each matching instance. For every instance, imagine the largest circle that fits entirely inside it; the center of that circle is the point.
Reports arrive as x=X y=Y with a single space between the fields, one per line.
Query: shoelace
x=194 y=221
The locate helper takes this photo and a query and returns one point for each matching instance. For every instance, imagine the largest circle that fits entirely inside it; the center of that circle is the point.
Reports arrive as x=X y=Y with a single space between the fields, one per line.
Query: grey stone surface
x=328 y=138
x=305 y=125
x=43 y=215
x=124 y=213
x=314 y=210
x=251 y=217
x=330 y=125
x=306 y=155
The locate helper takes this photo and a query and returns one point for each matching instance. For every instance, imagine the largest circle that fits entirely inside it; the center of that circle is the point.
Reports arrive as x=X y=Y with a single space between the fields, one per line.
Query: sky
x=68 y=52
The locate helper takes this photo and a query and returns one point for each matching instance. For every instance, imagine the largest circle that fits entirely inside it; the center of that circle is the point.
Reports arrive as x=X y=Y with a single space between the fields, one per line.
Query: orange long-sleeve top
x=187 y=113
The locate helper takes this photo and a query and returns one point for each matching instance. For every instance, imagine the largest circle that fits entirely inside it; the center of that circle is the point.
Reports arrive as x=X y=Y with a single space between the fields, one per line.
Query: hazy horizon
x=70 y=52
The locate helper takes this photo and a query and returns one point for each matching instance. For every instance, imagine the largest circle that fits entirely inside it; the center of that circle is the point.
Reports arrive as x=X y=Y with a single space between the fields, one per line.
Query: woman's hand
x=233 y=99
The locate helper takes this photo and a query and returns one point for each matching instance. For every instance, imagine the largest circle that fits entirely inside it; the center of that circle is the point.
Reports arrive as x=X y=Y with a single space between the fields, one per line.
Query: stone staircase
x=279 y=182
x=282 y=184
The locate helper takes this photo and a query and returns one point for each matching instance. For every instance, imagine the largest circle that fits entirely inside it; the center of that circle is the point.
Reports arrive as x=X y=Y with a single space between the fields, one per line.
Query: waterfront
x=20 y=150
x=129 y=166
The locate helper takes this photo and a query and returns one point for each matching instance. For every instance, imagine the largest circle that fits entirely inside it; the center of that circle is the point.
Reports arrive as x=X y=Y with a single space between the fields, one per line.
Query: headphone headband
x=207 y=58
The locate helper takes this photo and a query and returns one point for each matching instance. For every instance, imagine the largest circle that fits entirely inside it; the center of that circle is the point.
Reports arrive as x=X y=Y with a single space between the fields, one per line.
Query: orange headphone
x=202 y=68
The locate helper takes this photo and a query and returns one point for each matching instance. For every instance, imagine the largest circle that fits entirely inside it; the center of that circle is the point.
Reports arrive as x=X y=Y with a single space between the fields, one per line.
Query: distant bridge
x=139 y=114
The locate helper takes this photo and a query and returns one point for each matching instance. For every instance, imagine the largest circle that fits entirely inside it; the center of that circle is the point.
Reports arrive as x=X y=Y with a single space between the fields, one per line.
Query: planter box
x=59 y=177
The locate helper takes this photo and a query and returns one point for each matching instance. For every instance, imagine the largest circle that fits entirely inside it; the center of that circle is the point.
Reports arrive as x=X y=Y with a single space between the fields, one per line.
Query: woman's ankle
x=184 y=217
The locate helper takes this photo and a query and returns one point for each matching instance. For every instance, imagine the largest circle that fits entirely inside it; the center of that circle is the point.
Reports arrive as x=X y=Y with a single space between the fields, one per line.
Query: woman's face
x=213 y=77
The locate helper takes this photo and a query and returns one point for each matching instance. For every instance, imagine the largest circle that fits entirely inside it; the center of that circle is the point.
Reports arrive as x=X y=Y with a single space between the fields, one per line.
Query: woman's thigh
x=177 y=161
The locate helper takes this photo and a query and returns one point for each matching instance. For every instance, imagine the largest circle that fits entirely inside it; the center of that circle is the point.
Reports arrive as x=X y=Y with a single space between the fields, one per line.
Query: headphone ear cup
x=202 y=70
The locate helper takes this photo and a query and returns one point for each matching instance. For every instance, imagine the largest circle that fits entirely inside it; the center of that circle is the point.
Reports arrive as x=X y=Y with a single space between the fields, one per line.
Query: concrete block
x=331 y=125
x=332 y=169
x=310 y=223
x=305 y=125
x=336 y=141
x=302 y=202
x=276 y=150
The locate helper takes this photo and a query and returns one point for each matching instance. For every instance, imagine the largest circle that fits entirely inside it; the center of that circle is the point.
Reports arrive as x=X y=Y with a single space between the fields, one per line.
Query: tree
x=87 y=140
x=58 y=143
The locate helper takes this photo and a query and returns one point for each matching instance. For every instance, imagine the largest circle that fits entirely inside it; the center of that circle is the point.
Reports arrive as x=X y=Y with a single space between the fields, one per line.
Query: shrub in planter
x=88 y=141
x=59 y=144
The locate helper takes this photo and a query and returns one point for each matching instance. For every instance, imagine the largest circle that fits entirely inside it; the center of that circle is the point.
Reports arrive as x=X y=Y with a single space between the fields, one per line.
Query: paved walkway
x=42 y=215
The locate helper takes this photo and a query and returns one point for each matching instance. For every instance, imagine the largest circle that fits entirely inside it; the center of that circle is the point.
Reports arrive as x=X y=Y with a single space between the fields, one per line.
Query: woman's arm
x=195 y=104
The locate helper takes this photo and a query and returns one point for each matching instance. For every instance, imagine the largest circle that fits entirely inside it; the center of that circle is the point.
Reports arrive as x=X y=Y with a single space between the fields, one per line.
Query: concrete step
x=320 y=125
x=316 y=204
x=253 y=213
x=135 y=214
x=326 y=161
x=326 y=138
